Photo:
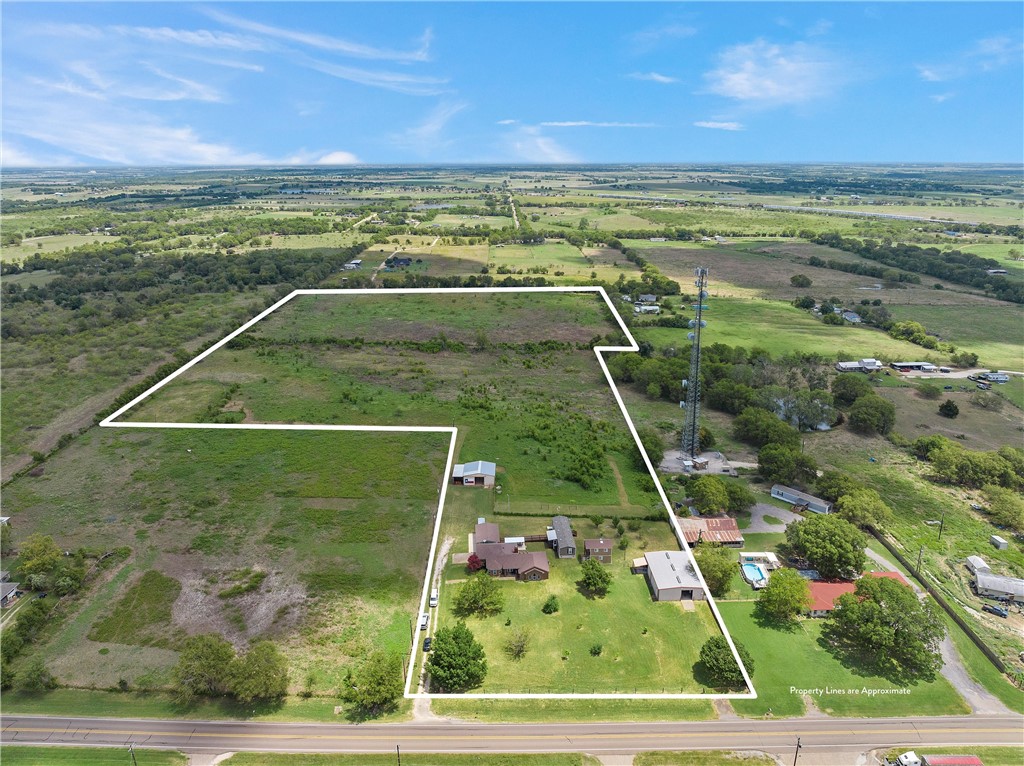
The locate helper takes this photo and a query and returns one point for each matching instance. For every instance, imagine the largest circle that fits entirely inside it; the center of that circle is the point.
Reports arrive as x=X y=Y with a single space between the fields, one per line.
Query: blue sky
x=337 y=83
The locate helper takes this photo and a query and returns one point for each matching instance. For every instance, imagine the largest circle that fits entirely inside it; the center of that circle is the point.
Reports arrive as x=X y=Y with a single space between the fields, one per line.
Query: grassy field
x=28 y=755
x=787 y=661
x=65 y=368
x=546 y=711
x=781 y=329
x=576 y=265
x=975 y=428
x=197 y=507
x=703 y=758
x=994 y=333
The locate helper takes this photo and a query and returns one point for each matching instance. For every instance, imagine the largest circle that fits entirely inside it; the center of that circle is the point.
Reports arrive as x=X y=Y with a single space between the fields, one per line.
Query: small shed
x=999 y=542
x=599 y=550
x=8 y=592
x=977 y=564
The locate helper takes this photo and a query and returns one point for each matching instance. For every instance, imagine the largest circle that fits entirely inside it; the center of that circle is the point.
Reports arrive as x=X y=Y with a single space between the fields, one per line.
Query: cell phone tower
x=691 y=386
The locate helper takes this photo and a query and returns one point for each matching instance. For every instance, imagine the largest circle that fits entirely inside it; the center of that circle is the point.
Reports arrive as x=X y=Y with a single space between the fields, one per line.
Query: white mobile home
x=996 y=586
x=796 y=497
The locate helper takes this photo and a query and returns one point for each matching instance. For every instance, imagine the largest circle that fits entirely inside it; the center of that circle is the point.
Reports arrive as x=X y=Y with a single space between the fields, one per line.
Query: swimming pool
x=756 y=575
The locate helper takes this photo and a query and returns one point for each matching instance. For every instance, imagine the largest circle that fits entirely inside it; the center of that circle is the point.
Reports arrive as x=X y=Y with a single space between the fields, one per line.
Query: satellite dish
x=703 y=294
x=690 y=336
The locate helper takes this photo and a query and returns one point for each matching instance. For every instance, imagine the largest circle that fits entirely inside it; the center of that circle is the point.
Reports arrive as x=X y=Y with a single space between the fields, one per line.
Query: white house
x=646 y=308
x=861 y=365
x=479 y=473
x=796 y=497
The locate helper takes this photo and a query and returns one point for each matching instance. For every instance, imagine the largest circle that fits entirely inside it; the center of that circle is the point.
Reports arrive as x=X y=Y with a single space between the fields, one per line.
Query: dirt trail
x=623 y=497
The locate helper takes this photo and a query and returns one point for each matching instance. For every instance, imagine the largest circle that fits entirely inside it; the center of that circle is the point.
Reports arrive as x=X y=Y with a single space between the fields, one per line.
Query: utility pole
x=398 y=751
x=942 y=522
x=131 y=752
x=797 y=753
x=919 y=552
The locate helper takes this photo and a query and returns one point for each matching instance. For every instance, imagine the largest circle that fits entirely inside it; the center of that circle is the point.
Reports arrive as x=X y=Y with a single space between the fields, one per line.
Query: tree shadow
x=868 y=664
x=703 y=676
x=770 y=622
x=362 y=715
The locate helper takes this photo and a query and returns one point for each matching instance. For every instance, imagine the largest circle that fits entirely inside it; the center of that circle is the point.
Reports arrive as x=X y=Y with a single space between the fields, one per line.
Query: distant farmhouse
x=479 y=473
x=862 y=365
x=671 y=576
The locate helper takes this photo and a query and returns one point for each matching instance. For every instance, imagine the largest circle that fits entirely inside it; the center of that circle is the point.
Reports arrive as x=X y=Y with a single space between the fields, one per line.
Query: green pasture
x=796 y=657
x=410 y=759
x=994 y=332
x=318 y=512
x=49 y=245
x=782 y=329
x=33 y=755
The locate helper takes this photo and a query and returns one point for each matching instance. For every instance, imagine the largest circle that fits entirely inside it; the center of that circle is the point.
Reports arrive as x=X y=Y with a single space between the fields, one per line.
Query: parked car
x=996 y=610
x=426 y=643
x=976 y=507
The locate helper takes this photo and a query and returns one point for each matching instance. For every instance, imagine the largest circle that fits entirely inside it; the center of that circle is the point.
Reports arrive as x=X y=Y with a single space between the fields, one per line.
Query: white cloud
x=664 y=79
x=765 y=74
x=528 y=143
x=820 y=27
x=938 y=98
x=506 y=122
x=328 y=43
x=652 y=37
x=413 y=85
x=427 y=137
x=986 y=55
x=229 y=63
x=202 y=38
x=590 y=124
x=719 y=125
x=338 y=158
x=14 y=157
x=105 y=88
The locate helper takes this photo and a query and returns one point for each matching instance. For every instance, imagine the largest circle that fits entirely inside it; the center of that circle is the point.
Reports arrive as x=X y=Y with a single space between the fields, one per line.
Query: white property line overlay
x=109 y=422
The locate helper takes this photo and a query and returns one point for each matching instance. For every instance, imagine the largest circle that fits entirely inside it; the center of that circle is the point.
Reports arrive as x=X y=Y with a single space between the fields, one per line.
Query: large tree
x=377 y=685
x=457 y=660
x=784 y=465
x=832 y=545
x=832 y=485
x=759 y=427
x=872 y=414
x=1005 y=506
x=260 y=674
x=38 y=555
x=849 y=387
x=709 y=494
x=720 y=664
x=740 y=496
x=654 y=446
x=203 y=667
x=864 y=507
x=785 y=597
x=596 y=579
x=718 y=565
x=481 y=595
x=888 y=628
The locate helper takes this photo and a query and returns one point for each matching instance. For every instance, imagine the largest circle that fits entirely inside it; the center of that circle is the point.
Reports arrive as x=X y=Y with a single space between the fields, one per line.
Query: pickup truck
x=910 y=758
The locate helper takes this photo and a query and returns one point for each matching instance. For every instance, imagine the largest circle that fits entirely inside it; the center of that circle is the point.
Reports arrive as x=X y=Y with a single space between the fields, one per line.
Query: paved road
x=819 y=735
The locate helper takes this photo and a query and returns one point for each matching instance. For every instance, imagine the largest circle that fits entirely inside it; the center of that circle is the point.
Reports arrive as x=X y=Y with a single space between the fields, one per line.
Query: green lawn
x=787 y=661
x=781 y=329
x=546 y=710
x=29 y=755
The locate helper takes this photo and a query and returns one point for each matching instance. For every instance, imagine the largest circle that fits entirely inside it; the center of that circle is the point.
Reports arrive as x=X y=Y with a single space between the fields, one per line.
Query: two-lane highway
x=449 y=737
